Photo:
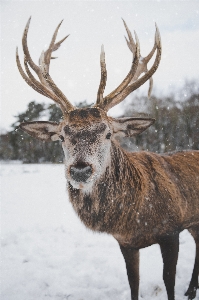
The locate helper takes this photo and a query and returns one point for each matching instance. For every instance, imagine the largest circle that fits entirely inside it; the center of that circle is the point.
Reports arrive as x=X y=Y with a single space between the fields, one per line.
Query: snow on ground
x=47 y=253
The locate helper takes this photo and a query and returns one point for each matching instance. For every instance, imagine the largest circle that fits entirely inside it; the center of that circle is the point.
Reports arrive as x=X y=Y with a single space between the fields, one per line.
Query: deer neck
x=114 y=198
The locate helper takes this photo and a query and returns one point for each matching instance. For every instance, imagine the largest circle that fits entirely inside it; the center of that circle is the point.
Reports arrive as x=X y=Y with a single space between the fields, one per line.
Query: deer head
x=87 y=134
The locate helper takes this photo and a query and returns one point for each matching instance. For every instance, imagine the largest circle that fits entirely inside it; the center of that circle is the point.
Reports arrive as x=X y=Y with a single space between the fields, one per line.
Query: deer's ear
x=127 y=127
x=45 y=131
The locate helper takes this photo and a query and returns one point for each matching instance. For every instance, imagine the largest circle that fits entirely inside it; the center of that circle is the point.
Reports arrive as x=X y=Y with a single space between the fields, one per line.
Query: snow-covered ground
x=47 y=253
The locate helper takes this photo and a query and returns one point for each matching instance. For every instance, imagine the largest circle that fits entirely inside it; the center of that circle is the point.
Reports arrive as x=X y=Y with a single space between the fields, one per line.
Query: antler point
x=136 y=38
x=28 y=21
x=124 y=22
x=60 y=23
x=157 y=36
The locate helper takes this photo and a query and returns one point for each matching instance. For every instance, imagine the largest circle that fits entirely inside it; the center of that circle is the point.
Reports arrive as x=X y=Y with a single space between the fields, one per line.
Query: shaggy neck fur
x=138 y=198
x=105 y=207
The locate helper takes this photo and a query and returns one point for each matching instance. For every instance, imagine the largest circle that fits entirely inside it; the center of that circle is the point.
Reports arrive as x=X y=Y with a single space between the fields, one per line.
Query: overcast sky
x=91 y=23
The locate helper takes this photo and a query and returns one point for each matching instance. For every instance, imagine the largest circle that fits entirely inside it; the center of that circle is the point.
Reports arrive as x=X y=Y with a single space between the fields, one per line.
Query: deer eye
x=61 y=138
x=108 y=136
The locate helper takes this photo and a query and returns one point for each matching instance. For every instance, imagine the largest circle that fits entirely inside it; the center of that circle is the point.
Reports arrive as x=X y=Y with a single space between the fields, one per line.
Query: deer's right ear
x=128 y=127
x=45 y=131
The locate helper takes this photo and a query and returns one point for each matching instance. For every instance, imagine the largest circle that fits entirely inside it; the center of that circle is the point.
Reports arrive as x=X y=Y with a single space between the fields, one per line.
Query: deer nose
x=80 y=172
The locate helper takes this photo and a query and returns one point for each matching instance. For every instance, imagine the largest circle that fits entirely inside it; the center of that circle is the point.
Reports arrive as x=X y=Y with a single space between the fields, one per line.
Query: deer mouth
x=81 y=172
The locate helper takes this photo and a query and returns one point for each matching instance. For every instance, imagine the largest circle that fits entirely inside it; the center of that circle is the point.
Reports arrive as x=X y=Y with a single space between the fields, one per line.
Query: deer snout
x=80 y=172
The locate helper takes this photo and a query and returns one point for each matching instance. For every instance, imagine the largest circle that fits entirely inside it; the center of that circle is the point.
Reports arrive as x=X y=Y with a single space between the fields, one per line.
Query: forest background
x=176 y=127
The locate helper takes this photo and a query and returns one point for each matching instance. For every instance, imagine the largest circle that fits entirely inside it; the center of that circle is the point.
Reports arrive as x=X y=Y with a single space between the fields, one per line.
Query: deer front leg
x=131 y=257
x=169 y=246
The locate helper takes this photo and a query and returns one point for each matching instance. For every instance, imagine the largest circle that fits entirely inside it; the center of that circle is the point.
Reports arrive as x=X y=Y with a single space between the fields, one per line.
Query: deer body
x=139 y=198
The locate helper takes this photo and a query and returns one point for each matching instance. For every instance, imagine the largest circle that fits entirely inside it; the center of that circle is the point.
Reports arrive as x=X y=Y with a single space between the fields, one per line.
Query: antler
x=131 y=82
x=46 y=85
x=48 y=88
x=100 y=100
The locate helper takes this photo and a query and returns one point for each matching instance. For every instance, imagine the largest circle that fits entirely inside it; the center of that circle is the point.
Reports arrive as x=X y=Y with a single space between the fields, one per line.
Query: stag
x=139 y=198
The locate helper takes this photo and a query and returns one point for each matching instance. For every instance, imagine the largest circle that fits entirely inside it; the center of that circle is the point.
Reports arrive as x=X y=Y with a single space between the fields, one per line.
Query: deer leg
x=169 y=246
x=131 y=257
x=191 y=292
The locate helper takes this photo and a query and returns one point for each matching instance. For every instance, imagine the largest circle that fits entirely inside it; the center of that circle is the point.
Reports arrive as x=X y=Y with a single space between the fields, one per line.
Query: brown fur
x=142 y=196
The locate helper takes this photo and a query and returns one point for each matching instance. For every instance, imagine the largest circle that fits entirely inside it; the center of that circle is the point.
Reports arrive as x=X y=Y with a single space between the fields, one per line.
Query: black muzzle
x=80 y=172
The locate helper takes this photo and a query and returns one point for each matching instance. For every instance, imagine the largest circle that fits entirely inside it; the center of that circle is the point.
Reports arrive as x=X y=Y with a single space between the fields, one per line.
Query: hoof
x=191 y=293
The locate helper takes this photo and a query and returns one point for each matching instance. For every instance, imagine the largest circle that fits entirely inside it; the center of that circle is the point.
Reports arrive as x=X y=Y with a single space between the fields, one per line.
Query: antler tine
x=157 y=36
x=43 y=89
x=142 y=68
x=149 y=56
x=25 y=77
x=53 y=86
x=131 y=44
x=27 y=53
x=48 y=52
x=129 y=76
x=25 y=48
x=58 y=44
x=46 y=86
x=150 y=87
x=157 y=41
x=103 y=78
x=135 y=85
x=52 y=47
x=44 y=67
x=36 y=85
x=139 y=65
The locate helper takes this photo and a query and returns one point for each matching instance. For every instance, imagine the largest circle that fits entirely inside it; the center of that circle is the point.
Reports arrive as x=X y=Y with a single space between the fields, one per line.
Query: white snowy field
x=47 y=253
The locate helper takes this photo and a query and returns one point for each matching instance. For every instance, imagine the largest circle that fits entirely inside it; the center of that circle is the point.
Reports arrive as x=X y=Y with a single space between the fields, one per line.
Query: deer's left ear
x=127 y=127
x=45 y=131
